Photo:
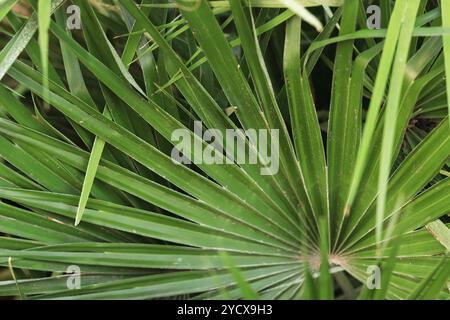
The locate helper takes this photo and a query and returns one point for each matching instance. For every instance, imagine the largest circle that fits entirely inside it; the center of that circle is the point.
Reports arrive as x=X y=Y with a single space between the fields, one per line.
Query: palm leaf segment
x=345 y=195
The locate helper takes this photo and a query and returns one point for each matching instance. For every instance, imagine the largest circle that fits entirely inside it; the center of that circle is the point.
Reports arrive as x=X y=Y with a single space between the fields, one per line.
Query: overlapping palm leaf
x=362 y=183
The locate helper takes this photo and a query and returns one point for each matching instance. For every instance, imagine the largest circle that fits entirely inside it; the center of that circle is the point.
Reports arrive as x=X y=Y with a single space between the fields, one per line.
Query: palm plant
x=85 y=136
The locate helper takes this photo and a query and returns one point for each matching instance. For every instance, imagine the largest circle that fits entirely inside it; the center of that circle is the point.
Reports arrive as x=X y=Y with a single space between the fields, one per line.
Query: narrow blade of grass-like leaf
x=392 y=107
x=393 y=33
x=18 y=43
x=94 y=160
x=44 y=16
x=306 y=131
x=440 y=232
x=430 y=286
x=265 y=92
x=246 y=289
x=5 y=7
x=223 y=62
x=303 y=13
x=343 y=126
x=13 y=274
x=325 y=278
x=445 y=6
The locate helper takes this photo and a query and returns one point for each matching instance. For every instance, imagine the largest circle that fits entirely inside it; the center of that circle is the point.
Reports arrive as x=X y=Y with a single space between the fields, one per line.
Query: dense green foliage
x=87 y=179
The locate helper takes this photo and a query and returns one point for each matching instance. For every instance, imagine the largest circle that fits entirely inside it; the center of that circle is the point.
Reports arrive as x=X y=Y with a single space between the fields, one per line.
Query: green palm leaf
x=87 y=119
